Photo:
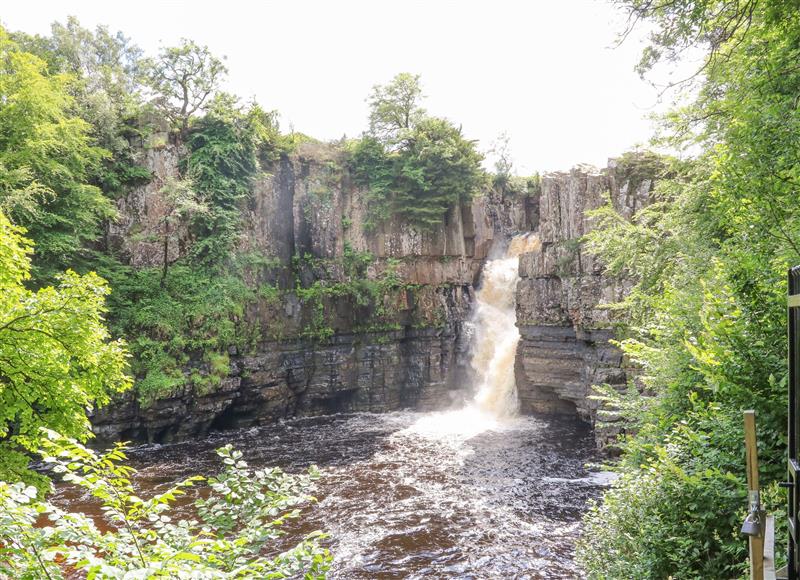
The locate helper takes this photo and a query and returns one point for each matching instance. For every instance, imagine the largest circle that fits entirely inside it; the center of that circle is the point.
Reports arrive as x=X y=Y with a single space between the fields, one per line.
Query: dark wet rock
x=377 y=372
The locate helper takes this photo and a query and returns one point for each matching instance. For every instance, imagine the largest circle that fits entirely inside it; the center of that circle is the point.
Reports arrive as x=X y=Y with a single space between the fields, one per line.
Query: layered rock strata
x=565 y=328
x=305 y=216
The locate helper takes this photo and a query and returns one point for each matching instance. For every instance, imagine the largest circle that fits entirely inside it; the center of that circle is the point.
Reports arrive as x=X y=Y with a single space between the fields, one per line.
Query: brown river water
x=412 y=495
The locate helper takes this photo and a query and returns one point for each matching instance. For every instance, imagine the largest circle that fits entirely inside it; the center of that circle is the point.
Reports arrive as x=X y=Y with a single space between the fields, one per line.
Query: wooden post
x=756 y=542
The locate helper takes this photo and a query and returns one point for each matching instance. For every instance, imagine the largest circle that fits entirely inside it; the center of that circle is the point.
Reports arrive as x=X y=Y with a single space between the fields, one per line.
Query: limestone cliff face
x=565 y=331
x=302 y=219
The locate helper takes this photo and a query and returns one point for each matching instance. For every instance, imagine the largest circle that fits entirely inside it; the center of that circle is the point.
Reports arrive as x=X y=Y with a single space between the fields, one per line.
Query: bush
x=226 y=536
x=226 y=150
x=677 y=513
x=193 y=314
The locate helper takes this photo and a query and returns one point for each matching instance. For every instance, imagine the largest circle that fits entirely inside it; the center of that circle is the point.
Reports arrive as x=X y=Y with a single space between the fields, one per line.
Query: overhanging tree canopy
x=56 y=357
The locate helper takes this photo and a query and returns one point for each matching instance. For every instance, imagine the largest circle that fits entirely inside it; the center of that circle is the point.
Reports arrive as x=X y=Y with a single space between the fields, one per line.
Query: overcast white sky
x=545 y=72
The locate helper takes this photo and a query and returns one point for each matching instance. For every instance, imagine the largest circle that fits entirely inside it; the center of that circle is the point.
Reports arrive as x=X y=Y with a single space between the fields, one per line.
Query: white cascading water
x=494 y=348
x=495 y=338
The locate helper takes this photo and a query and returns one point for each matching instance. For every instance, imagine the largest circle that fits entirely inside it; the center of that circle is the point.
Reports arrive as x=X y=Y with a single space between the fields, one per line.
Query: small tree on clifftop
x=395 y=109
x=184 y=77
x=413 y=165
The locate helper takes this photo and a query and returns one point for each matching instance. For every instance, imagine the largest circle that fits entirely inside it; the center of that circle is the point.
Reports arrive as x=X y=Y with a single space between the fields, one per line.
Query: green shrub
x=227 y=148
x=676 y=509
x=226 y=535
x=195 y=313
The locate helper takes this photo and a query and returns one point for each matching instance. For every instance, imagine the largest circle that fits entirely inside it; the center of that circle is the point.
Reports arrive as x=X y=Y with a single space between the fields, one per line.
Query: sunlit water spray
x=494 y=347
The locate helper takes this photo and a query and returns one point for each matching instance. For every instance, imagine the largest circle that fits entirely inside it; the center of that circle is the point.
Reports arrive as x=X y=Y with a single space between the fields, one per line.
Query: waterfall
x=494 y=341
x=495 y=337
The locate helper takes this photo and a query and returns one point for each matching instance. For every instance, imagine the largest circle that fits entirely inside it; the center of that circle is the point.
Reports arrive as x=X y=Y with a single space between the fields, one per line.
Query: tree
x=706 y=319
x=107 y=92
x=108 y=95
x=435 y=169
x=183 y=78
x=412 y=165
x=181 y=204
x=503 y=164
x=395 y=108
x=46 y=159
x=682 y=26
x=438 y=169
x=107 y=62
x=56 y=357
x=226 y=147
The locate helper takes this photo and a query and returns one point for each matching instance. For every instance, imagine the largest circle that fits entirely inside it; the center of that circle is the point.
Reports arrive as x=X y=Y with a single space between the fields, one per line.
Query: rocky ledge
x=305 y=219
x=308 y=207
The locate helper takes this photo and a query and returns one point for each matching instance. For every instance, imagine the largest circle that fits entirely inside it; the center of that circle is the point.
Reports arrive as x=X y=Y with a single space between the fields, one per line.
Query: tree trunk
x=166 y=254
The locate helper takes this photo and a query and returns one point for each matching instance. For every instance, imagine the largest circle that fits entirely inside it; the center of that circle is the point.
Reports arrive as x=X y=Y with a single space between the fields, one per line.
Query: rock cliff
x=565 y=330
x=304 y=222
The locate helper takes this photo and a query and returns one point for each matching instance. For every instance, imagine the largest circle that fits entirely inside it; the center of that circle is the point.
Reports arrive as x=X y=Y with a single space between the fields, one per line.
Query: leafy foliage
x=106 y=83
x=373 y=170
x=713 y=25
x=191 y=314
x=706 y=319
x=435 y=170
x=183 y=79
x=438 y=170
x=395 y=109
x=371 y=296
x=226 y=148
x=46 y=159
x=413 y=166
x=226 y=536
x=56 y=358
x=181 y=204
x=503 y=161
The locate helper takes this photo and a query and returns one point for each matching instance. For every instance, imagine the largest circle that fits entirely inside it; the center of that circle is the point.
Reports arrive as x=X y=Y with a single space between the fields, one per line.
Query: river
x=474 y=493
